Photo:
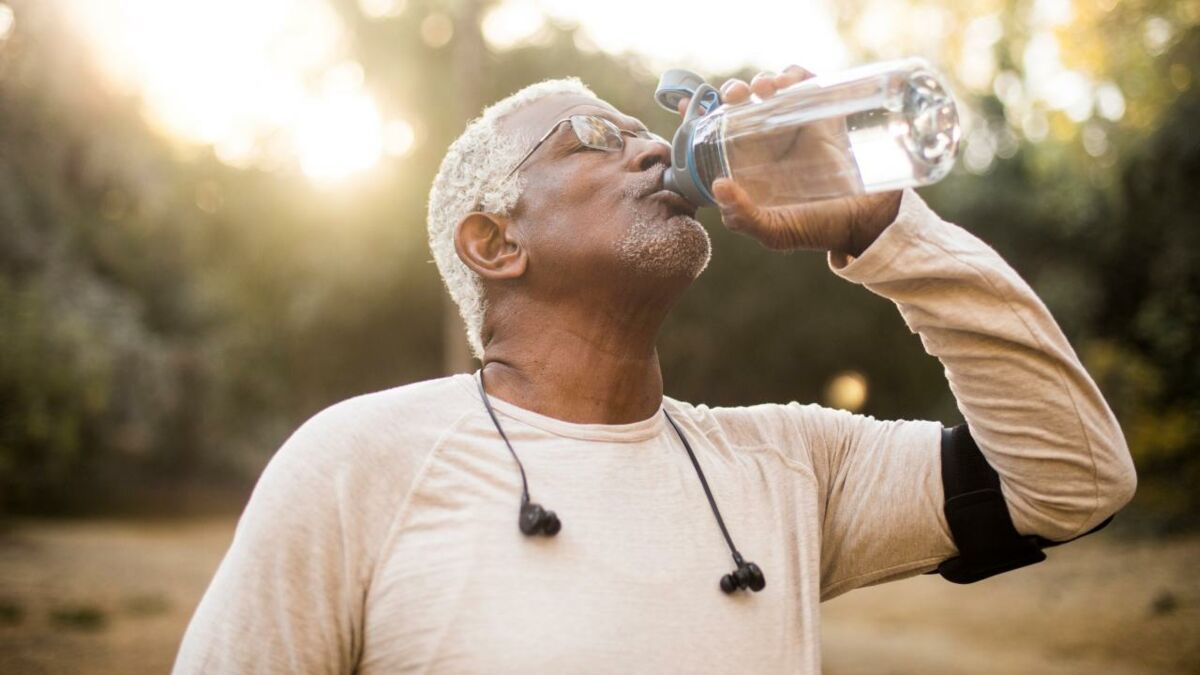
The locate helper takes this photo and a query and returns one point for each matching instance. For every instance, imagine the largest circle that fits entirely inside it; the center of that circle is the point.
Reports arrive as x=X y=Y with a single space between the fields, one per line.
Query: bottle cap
x=676 y=84
x=673 y=86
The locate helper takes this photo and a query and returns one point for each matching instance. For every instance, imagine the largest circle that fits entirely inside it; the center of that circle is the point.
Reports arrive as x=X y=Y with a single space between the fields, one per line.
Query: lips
x=653 y=181
x=675 y=201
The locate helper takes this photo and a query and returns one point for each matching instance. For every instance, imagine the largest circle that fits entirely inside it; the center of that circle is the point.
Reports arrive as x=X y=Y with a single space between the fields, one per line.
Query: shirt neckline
x=631 y=432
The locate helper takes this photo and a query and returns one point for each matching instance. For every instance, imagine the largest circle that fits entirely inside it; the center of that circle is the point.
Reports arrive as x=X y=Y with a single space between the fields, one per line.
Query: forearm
x=1034 y=411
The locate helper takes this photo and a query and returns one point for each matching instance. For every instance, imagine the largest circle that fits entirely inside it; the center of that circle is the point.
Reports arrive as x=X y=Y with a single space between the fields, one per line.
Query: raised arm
x=1037 y=416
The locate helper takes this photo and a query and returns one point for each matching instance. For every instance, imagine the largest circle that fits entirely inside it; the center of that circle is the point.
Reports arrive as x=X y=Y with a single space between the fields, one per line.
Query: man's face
x=590 y=216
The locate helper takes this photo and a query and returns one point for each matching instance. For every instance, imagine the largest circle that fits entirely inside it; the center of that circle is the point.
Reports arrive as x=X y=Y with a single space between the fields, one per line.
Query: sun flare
x=242 y=77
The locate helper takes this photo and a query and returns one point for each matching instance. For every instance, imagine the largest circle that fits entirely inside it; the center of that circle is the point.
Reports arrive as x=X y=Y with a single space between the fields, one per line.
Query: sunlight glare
x=238 y=75
x=1110 y=101
x=382 y=9
x=7 y=20
x=511 y=23
x=888 y=29
x=398 y=138
x=977 y=62
x=339 y=135
x=1052 y=12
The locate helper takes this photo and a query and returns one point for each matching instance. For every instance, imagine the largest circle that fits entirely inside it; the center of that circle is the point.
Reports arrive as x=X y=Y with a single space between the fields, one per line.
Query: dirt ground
x=105 y=597
x=1099 y=605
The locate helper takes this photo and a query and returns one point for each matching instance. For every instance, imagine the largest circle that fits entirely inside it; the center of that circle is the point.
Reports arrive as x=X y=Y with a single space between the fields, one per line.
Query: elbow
x=1116 y=479
x=1116 y=485
x=1116 y=476
x=1100 y=486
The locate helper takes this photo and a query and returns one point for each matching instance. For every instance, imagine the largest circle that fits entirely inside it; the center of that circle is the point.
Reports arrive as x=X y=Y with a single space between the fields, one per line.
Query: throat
x=582 y=388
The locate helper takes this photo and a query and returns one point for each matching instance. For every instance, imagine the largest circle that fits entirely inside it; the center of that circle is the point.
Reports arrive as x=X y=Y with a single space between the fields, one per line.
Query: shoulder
x=324 y=505
x=761 y=423
x=388 y=432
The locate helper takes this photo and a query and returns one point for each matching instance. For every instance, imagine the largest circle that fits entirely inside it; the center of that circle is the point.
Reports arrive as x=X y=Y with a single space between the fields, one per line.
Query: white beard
x=676 y=247
x=667 y=249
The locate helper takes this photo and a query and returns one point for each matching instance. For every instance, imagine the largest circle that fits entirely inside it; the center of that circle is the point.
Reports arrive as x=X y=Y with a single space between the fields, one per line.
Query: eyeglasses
x=594 y=132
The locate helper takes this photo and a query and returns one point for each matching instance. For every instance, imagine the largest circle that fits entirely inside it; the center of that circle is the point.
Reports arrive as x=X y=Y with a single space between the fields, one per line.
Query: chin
x=675 y=247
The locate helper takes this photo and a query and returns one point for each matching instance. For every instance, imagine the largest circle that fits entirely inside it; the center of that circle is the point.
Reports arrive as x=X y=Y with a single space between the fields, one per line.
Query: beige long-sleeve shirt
x=382 y=537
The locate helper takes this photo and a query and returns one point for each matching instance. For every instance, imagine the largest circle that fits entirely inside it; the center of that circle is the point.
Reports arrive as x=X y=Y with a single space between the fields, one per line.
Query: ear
x=486 y=243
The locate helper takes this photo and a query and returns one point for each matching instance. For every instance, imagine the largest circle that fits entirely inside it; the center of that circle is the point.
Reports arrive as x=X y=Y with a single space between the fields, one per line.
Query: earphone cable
x=737 y=557
x=487 y=404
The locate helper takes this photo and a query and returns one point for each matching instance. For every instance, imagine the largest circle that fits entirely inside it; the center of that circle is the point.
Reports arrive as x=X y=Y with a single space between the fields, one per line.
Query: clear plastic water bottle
x=880 y=127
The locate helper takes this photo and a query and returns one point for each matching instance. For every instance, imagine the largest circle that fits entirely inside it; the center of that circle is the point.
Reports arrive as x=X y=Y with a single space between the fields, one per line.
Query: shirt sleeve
x=1037 y=416
x=288 y=596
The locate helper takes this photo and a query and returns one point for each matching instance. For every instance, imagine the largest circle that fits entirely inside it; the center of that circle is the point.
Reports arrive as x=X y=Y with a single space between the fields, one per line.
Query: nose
x=647 y=153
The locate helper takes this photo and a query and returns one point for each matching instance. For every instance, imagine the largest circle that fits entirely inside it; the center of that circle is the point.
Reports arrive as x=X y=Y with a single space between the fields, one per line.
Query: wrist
x=877 y=214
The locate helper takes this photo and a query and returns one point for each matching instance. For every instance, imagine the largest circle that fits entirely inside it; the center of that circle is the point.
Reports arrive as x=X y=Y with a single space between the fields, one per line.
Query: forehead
x=535 y=118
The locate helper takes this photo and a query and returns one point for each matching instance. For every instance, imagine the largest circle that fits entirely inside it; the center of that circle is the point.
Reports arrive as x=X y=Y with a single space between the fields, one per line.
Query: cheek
x=577 y=216
x=590 y=188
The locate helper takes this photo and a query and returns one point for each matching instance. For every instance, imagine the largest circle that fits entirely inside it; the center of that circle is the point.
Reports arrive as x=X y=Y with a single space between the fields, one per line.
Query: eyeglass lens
x=595 y=132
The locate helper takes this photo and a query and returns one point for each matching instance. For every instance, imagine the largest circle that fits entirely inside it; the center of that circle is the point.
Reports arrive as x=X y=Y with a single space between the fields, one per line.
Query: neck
x=584 y=366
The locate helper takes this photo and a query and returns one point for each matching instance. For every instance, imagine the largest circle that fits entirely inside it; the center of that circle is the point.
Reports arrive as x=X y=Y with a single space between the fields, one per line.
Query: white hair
x=471 y=178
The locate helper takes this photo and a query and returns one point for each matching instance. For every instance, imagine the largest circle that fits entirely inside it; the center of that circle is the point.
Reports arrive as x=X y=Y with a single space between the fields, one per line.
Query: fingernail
x=720 y=190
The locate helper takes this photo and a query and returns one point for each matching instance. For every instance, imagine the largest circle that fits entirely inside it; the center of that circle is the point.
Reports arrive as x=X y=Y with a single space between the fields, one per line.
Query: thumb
x=738 y=211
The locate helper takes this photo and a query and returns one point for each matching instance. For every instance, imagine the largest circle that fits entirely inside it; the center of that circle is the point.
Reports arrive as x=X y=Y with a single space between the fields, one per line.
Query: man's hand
x=846 y=225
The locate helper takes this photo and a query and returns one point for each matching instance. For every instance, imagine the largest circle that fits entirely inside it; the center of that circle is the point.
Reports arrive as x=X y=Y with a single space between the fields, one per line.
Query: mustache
x=646 y=183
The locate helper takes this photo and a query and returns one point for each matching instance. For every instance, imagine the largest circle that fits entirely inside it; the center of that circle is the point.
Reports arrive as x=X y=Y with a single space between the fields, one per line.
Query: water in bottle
x=876 y=128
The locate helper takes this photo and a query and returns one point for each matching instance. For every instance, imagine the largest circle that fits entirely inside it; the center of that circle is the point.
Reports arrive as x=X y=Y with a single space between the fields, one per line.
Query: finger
x=798 y=72
x=767 y=225
x=763 y=85
x=791 y=75
x=738 y=211
x=730 y=83
x=735 y=91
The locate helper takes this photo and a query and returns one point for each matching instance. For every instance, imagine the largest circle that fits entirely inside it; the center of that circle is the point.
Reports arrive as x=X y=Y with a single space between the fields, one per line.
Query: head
x=571 y=226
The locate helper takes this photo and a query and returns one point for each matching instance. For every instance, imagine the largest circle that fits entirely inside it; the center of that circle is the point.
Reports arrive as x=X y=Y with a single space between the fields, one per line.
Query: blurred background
x=212 y=225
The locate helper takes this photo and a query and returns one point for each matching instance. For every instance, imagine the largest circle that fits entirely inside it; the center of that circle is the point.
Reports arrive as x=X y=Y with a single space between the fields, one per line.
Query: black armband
x=988 y=542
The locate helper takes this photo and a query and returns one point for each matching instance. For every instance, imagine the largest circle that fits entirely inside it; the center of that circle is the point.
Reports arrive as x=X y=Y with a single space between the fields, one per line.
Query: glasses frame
x=619 y=133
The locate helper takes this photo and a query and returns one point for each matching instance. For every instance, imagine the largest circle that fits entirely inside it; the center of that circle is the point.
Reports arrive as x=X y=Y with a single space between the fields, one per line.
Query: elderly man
x=389 y=534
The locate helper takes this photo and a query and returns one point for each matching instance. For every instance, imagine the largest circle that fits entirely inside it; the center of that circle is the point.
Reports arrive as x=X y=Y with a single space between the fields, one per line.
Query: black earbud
x=536 y=520
x=533 y=519
x=747 y=575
